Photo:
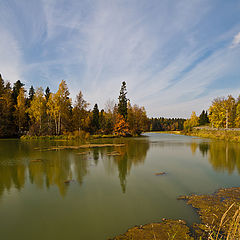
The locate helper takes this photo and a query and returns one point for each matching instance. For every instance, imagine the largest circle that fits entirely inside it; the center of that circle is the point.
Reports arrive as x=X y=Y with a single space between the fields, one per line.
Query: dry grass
x=233 y=223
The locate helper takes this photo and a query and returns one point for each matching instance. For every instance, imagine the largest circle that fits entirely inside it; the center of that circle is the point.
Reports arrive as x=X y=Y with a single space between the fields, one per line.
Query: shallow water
x=107 y=194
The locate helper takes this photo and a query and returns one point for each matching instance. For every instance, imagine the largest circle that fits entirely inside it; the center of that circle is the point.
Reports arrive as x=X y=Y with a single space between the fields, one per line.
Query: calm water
x=109 y=194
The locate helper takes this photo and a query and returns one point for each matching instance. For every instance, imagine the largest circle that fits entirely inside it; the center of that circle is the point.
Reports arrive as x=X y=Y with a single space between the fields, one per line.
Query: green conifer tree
x=16 y=88
x=122 y=100
x=95 y=118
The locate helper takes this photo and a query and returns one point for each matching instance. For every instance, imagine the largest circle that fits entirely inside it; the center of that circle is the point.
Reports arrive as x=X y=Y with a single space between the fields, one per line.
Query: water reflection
x=223 y=156
x=24 y=162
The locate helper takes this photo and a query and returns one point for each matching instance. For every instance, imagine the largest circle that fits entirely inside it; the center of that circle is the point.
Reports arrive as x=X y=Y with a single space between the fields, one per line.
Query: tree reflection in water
x=221 y=155
x=21 y=162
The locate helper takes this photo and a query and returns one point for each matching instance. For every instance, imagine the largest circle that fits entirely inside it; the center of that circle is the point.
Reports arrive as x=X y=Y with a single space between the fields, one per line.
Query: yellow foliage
x=121 y=127
x=192 y=122
x=237 y=120
x=37 y=107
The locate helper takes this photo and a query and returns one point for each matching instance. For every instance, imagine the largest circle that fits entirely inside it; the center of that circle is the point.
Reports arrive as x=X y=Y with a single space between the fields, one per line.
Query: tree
x=122 y=100
x=59 y=108
x=237 y=120
x=230 y=107
x=53 y=109
x=47 y=93
x=2 y=102
x=217 y=113
x=7 y=126
x=95 y=118
x=31 y=93
x=111 y=111
x=20 y=112
x=137 y=119
x=16 y=88
x=192 y=122
x=203 y=118
x=121 y=127
x=1 y=85
x=80 y=112
x=102 y=121
x=37 y=108
x=222 y=112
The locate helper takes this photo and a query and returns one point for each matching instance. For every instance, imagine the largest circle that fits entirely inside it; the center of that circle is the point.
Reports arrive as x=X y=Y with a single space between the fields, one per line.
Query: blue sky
x=175 y=56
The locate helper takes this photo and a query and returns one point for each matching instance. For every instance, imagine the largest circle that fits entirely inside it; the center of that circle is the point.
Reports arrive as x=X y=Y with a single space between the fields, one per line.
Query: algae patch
x=211 y=209
x=167 y=229
x=218 y=212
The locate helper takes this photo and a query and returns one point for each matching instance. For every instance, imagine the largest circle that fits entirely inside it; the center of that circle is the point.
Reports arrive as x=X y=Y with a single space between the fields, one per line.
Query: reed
x=233 y=227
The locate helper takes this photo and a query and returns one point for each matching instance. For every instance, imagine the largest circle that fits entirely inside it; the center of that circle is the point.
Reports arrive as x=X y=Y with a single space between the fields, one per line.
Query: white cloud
x=11 y=58
x=236 y=40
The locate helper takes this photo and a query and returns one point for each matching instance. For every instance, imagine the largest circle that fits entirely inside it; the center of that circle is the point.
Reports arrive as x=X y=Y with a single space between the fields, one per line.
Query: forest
x=41 y=113
x=167 y=124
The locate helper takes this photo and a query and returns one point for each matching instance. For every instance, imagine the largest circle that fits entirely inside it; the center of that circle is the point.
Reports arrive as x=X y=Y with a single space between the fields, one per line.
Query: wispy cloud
x=11 y=57
x=236 y=40
x=170 y=54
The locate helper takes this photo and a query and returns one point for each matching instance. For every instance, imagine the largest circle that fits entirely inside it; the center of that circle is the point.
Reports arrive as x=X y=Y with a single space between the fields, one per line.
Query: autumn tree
x=192 y=122
x=137 y=119
x=222 y=112
x=16 y=89
x=37 y=108
x=237 y=119
x=20 y=112
x=53 y=109
x=230 y=107
x=80 y=113
x=1 y=105
x=59 y=108
x=1 y=85
x=110 y=115
x=121 y=127
x=7 y=126
x=122 y=100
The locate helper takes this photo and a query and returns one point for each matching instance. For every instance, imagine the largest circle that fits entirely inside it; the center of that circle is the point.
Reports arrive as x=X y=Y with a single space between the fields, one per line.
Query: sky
x=176 y=56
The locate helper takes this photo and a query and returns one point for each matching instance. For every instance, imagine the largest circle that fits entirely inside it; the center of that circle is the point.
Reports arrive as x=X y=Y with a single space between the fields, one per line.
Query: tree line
x=38 y=113
x=166 y=124
x=224 y=112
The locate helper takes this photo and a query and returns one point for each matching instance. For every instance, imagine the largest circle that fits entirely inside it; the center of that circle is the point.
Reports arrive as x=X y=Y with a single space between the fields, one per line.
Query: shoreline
x=229 y=135
x=219 y=212
x=217 y=134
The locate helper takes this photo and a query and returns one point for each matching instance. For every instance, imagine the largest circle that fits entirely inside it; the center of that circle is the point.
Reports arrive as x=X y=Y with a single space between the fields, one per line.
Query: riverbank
x=219 y=134
x=219 y=214
x=231 y=135
x=82 y=137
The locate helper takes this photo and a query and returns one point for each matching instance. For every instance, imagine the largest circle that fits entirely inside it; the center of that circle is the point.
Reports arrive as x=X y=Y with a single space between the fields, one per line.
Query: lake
x=111 y=188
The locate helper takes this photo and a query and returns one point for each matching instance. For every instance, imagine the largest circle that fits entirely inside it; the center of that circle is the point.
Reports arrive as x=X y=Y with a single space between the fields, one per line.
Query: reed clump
x=232 y=232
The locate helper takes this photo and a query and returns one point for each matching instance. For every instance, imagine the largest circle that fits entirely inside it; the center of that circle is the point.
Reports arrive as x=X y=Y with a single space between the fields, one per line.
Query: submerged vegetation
x=219 y=214
x=47 y=114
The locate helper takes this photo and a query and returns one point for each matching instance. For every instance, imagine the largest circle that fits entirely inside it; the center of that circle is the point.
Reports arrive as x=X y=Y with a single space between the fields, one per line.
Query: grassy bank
x=227 y=135
x=69 y=136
